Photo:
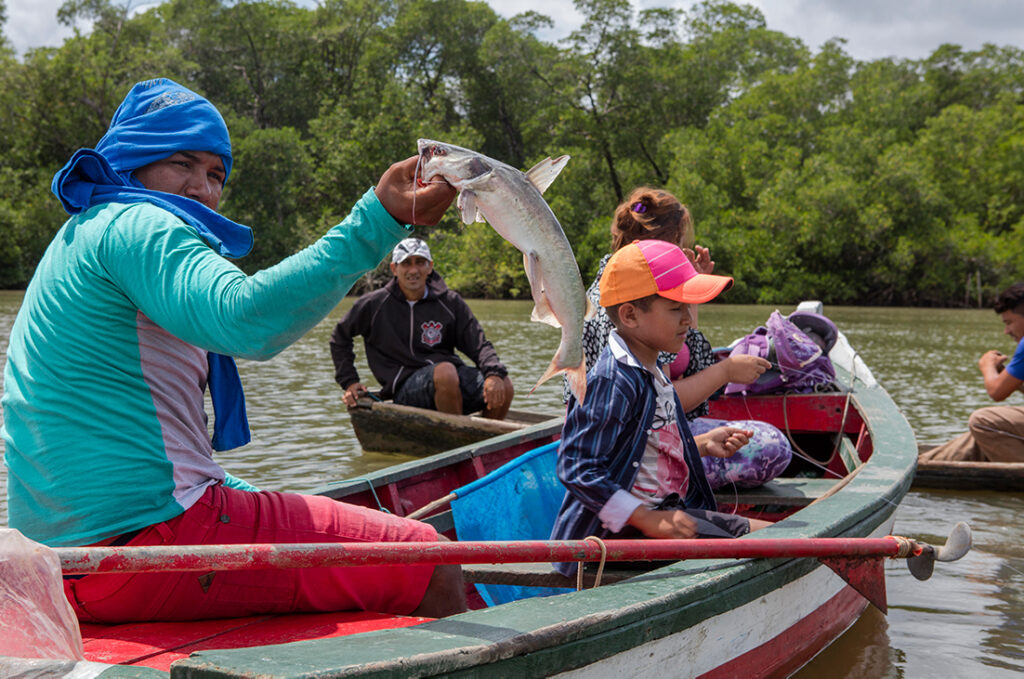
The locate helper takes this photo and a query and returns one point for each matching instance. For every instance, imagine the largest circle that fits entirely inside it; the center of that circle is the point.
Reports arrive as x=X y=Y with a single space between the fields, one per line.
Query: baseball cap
x=410 y=247
x=649 y=267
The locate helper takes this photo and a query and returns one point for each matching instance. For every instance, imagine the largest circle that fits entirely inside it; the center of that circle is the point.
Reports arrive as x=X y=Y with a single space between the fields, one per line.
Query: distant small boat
x=961 y=475
x=386 y=427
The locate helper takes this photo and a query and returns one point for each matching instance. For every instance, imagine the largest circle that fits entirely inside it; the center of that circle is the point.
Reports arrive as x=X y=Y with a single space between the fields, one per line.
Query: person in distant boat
x=650 y=213
x=996 y=433
x=411 y=328
x=132 y=312
x=627 y=457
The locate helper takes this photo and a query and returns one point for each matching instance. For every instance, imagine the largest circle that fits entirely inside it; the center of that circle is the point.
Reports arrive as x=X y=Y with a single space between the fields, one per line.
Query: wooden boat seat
x=443 y=522
x=157 y=644
x=787 y=492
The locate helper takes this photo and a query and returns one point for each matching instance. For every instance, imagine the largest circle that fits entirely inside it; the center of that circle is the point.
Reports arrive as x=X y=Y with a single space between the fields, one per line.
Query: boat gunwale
x=412 y=468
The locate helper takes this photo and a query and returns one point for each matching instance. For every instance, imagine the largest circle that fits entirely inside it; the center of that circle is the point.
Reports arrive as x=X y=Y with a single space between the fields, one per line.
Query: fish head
x=454 y=163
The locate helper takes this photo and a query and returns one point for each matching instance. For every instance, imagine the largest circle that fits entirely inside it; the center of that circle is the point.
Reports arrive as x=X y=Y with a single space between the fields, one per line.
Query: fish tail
x=577 y=377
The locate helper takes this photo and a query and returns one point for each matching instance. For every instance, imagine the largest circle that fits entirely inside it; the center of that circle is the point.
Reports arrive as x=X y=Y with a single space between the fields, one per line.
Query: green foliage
x=269 y=193
x=808 y=173
x=479 y=263
x=29 y=218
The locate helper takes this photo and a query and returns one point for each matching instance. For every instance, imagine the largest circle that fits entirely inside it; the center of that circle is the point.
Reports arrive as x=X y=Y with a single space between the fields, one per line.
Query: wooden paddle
x=163 y=558
x=858 y=561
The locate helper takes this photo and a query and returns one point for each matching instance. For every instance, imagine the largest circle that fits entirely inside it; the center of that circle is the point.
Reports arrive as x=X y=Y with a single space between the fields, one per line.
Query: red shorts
x=228 y=516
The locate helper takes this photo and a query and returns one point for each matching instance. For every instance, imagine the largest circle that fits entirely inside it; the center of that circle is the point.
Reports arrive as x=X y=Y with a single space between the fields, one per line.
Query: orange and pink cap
x=655 y=267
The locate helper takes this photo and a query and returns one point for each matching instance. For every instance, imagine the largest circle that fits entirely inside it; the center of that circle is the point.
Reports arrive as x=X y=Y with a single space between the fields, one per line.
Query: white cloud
x=33 y=23
x=872 y=28
x=910 y=29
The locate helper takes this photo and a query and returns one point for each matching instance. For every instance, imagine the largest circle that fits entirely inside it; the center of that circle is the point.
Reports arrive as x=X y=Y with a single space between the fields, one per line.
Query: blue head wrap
x=157 y=119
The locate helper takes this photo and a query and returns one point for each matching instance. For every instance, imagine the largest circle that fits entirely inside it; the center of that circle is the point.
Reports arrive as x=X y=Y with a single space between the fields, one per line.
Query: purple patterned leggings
x=761 y=460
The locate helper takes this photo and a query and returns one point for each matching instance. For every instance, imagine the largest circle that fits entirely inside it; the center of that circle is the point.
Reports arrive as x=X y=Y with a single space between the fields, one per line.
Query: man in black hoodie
x=411 y=328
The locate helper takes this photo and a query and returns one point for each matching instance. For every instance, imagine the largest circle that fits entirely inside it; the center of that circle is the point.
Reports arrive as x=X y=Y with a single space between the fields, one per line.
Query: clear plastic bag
x=39 y=633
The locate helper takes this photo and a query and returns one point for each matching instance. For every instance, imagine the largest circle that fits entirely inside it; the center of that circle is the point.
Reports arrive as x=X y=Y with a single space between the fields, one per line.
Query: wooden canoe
x=1001 y=476
x=704 y=618
x=386 y=427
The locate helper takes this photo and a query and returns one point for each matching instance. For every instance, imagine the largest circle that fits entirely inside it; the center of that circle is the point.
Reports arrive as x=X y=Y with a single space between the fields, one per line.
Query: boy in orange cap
x=627 y=456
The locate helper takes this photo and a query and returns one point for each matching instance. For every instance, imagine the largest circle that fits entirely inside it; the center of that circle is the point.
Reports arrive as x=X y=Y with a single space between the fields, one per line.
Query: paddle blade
x=922 y=565
x=957 y=545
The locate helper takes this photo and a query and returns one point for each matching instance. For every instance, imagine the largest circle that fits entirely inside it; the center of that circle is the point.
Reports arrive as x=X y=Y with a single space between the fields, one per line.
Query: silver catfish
x=511 y=202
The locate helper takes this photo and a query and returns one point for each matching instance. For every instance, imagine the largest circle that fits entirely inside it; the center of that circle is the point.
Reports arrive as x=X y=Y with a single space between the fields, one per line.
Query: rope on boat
x=373 y=492
x=907 y=547
x=600 y=565
x=846 y=407
x=839 y=432
x=797 y=450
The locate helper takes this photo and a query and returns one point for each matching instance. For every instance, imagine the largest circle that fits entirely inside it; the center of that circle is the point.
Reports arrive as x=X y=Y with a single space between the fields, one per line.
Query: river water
x=966 y=621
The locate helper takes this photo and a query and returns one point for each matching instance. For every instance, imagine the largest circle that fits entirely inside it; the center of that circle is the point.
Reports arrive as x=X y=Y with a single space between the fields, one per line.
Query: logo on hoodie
x=431 y=333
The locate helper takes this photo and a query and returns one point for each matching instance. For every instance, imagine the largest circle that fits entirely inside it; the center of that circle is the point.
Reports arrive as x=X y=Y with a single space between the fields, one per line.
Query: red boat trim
x=797 y=645
x=867 y=576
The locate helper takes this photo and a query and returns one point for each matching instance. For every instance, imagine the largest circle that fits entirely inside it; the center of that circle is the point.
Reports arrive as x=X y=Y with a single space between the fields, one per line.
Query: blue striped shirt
x=602 y=446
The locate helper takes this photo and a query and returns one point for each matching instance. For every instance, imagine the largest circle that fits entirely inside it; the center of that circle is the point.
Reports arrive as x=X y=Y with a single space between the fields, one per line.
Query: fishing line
x=417 y=182
x=998 y=431
x=797 y=450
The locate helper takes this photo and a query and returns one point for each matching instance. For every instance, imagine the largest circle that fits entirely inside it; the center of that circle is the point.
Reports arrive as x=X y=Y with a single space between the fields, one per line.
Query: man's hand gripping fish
x=510 y=201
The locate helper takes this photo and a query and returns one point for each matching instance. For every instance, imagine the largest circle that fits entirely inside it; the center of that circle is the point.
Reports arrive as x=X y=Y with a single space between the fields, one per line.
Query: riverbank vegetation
x=809 y=174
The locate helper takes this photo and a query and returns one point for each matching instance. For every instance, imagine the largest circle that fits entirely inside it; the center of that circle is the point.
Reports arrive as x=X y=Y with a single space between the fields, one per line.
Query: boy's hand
x=663 y=523
x=744 y=368
x=722 y=441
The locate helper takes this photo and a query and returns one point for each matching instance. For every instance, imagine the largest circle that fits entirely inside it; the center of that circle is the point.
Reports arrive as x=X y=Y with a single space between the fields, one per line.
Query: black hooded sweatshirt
x=401 y=338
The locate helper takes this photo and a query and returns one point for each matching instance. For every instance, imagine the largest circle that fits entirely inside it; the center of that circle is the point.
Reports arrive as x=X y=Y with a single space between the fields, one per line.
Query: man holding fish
x=133 y=312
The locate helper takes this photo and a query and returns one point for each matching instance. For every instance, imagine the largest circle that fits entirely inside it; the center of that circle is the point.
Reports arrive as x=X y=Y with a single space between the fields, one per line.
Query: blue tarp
x=517 y=501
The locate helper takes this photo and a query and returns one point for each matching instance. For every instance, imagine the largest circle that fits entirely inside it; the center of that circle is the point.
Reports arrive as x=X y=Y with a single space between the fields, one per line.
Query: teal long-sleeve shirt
x=104 y=425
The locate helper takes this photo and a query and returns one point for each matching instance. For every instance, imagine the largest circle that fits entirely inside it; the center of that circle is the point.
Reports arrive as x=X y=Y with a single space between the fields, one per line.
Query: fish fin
x=577 y=378
x=468 y=208
x=543 y=173
x=542 y=312
x=591 y=310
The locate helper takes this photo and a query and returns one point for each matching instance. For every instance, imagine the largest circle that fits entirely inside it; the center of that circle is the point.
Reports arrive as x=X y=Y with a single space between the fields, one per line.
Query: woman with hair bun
x=650 y=213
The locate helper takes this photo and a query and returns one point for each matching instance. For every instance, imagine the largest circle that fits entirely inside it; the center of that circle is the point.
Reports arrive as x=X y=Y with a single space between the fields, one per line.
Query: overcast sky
x=872 y=28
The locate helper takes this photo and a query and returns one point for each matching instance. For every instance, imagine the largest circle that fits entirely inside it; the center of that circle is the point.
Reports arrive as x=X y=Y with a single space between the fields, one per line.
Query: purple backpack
x=797 y=347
